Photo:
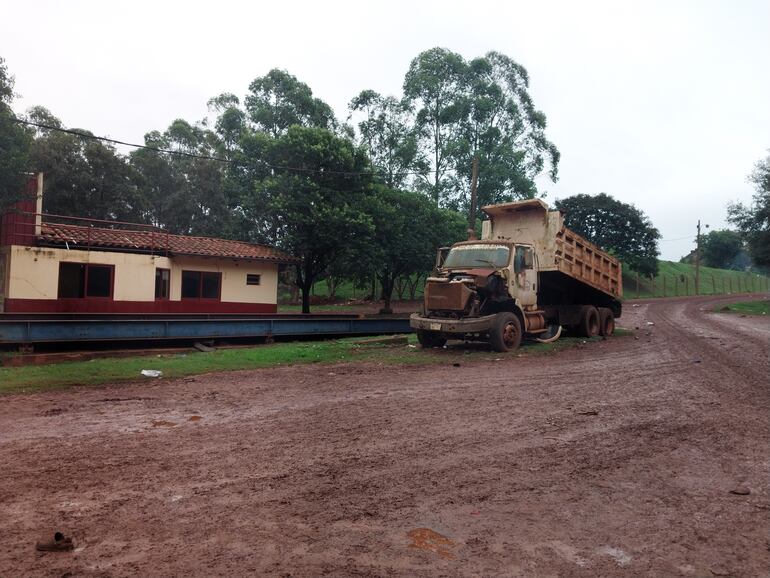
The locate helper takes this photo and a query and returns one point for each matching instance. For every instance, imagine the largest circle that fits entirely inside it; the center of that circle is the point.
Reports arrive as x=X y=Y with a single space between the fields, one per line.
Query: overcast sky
x=665 y=105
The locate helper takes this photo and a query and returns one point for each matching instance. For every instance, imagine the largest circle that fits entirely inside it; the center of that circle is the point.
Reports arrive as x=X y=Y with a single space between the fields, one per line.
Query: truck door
x=524 y=275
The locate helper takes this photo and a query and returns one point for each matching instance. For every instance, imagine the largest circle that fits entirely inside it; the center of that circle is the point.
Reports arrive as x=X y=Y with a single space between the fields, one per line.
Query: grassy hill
x=679 y=279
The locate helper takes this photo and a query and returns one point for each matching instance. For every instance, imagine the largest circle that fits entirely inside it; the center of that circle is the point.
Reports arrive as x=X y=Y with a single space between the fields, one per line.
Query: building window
x=81 y=280
x=162 y=283
x=201 y=285
x=253 y=279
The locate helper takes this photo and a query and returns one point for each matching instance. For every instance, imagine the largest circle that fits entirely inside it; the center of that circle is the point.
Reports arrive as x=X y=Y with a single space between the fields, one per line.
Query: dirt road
x=613 y=459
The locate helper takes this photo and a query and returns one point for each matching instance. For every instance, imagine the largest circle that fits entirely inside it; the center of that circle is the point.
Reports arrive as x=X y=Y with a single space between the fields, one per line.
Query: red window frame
x=200 y=275
x=86 y=266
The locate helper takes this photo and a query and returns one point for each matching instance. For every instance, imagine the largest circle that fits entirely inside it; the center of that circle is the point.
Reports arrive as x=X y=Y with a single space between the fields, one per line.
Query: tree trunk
x=387 y=293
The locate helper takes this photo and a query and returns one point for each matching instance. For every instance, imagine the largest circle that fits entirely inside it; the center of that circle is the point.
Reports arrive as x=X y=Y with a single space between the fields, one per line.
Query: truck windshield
x=481 y=255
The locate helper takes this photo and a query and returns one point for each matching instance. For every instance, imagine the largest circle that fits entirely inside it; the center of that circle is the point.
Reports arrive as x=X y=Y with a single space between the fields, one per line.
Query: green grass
x=678 y=279
x=746 y=307
x=28 y=379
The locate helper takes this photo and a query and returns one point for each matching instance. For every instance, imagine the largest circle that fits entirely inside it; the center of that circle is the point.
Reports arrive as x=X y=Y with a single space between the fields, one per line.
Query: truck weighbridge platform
x=29 y=329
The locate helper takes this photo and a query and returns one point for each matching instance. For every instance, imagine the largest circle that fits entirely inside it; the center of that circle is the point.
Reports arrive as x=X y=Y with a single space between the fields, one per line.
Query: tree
x=408 y=228
x=278 y=100
x=14 y=144
x=184 y=194
x=753 y=221
x=501 y=126
x=433 y=83
x=619 y=228
x=480 y=108
x=313 y=210
x=388 y=133
x=722 y=249
x=84 y=177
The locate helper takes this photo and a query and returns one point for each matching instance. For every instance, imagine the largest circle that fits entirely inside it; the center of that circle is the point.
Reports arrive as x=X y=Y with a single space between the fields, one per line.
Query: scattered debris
x=455 y=365
x=412 y=346
x=427 y=539
x=60 y=543
x=741 y=491
x=202 y=347
x=163 y=423
x=195 y=418
x=152 y=373
x=650 y=323
x=589 y=412
x=635 y=305
x=620 y=557
x=696 y=361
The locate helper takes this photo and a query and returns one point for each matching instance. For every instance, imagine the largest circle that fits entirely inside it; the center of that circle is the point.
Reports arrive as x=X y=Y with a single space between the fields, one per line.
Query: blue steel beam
x=41 y=331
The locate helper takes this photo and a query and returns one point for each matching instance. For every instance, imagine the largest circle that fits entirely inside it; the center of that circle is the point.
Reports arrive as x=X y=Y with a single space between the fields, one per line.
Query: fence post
x=664 y=284
x=731 y=284
x=713 y=286
x=637 y=285
x=686 y=285
x=652 y=283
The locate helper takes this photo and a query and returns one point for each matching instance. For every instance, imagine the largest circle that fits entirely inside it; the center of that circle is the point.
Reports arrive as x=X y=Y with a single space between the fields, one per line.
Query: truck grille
x=446 y=296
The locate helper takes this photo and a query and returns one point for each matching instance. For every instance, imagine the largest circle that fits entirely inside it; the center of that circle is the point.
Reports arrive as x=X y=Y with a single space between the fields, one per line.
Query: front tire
x=505 y=334
x=429 y=339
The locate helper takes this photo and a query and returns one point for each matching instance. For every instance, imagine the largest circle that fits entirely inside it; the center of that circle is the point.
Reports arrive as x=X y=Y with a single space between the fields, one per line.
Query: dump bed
x=556 y=247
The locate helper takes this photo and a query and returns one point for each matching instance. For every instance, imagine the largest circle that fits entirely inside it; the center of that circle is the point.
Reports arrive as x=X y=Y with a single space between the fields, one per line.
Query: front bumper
x=441 y=325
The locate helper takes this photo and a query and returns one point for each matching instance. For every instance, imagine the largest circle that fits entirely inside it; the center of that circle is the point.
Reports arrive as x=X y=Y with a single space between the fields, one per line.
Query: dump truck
x=528 y=276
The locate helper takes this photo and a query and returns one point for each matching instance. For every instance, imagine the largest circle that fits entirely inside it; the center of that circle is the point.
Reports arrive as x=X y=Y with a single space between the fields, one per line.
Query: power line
x=677 y=239
x=86 y=135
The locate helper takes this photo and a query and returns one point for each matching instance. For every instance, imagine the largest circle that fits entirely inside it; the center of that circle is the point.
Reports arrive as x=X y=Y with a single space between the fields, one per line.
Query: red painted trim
x=105 y=305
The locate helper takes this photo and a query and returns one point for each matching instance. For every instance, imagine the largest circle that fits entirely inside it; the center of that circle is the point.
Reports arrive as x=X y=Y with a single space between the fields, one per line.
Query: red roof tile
x=158 y=241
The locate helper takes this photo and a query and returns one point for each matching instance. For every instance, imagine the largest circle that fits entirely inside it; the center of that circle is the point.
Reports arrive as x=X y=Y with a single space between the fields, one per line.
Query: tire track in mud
x=615 y=458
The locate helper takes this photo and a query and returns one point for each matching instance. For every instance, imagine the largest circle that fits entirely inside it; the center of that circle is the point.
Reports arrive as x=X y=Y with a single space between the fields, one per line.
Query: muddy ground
x=617 y=458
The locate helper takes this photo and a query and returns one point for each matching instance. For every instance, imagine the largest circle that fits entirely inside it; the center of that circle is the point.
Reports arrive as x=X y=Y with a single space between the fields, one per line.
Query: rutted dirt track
x=614 y=459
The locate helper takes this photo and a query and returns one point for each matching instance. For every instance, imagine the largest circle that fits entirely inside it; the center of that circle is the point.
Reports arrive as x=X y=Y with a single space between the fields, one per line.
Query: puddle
x=427 y=539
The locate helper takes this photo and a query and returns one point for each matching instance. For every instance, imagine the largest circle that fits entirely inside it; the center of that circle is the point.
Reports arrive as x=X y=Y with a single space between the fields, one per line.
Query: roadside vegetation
x=746 y=307
x=34 y=378
x=678 y=279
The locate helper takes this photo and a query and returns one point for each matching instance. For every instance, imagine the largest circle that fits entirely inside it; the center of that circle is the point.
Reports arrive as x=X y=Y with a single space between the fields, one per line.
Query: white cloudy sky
x=662 y=104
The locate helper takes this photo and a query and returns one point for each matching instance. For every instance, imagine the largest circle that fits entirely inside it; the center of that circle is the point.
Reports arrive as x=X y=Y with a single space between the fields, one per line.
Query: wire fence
x=681 y=285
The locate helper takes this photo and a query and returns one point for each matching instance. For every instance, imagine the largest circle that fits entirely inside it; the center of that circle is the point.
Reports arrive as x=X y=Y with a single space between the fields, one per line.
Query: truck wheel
x=589 y=321
x=430 y=339
x=606 y=322
x=505 y=334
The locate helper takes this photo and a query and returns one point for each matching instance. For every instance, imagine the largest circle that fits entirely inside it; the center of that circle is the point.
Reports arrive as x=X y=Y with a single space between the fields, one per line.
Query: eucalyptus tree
x=388 y=133
x=481 y=108
x=501 y=126
x=279 y=100
x=183 y=192
x=434 y=85
x=84 y=176
x=14 y=143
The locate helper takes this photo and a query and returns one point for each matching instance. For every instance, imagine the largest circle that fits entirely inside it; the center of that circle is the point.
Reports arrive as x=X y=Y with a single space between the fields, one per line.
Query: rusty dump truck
x=527 y=276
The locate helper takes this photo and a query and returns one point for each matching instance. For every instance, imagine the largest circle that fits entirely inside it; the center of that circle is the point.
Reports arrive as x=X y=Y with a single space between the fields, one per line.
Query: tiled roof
x=158 y=241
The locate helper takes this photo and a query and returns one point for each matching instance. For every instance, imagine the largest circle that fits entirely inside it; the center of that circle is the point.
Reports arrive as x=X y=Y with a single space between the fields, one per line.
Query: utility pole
x=472 y=212
x=697 y=261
